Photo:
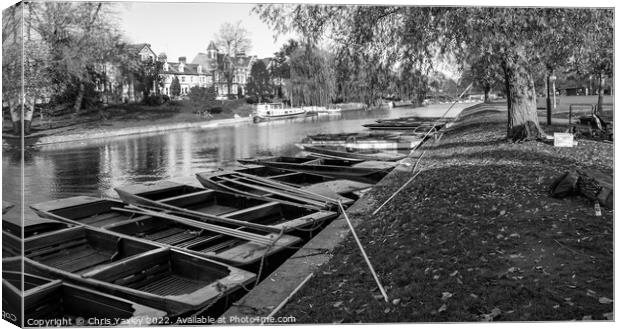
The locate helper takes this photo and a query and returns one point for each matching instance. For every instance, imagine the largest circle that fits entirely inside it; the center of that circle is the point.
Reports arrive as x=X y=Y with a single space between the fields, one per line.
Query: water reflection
x=95 y=167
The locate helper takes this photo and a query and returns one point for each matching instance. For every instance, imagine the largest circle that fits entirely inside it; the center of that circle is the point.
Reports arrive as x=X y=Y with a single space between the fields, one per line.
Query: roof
x=203 y=59
x=190 y=69
x=137 y=47
x=212 y=46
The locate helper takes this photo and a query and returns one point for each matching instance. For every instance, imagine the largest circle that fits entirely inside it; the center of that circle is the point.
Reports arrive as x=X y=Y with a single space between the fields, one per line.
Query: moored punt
x=415 y=119
x=327 y=186
x=231 y=210
x=414 y=126
x=338 y=152
x=238 y=248
x=13 y=229
x=83 y=210
x=268 y=189
x=366 y=141
x=166 y=279
x=81 y=249
x=358 y=170
x=46 y=298
x=6 y=206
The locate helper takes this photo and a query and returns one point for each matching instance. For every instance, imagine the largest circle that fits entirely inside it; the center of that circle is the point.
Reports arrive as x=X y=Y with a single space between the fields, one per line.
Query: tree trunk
x=487 y=90
x=522 y=116
x=599 y=105
x=78 y=100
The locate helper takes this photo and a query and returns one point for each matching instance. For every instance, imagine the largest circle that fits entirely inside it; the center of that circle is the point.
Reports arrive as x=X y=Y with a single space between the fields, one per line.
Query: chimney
x=182 y=60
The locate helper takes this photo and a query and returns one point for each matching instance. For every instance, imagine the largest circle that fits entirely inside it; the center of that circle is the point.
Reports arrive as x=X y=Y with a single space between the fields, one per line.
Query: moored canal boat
x=276 y=111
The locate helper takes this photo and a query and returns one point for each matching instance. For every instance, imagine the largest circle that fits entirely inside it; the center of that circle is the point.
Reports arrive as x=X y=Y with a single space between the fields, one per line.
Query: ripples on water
x=95 y=167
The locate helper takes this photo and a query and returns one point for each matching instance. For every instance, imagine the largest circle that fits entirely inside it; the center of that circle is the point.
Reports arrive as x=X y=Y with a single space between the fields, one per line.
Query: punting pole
x=281 y=305
x=359 y=244
x=420 y=157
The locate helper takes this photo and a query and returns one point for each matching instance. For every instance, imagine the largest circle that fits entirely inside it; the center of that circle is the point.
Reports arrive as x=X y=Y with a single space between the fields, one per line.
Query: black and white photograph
x=169 y=163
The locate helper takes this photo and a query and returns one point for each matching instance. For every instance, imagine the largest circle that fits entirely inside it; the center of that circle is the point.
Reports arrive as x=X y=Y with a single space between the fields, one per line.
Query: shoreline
x=41 y=139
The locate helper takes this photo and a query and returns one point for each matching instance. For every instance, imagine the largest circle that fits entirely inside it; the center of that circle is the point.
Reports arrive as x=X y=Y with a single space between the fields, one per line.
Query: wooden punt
x=269 y=189
x=171 y=280
x=13 y=229
x=82 y=249
x=338 y=152
x=83 y=210
x=342 y=189
x=402 y=125
x=192 y=236
x=46 y=298
x=366 y=142
x=415 y=119
x=231 y=210
x=6 y=206
x=358 y=170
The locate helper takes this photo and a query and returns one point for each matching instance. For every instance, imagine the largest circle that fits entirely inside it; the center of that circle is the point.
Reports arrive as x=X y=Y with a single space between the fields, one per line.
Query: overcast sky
x=184 y=29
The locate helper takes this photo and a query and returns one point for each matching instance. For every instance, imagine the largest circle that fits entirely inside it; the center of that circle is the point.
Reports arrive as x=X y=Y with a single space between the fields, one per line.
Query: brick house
x=190 y=75
x=214 y=61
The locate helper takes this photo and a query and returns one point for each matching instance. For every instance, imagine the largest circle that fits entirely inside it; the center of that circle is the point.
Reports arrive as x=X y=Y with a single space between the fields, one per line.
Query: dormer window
x=181 y=67
x=199 y=69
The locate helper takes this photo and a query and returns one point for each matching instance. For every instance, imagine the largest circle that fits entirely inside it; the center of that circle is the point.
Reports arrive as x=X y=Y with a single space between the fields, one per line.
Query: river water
x=95 y=167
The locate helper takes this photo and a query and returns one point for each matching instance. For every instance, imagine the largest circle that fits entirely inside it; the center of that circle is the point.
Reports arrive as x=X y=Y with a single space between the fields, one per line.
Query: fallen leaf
x=396 y=301
x=443 y=308
x=454 y=273
x=609 y=316
x=587 y=318
x=378 y=297
x=605 y=300
x=445 y=296
x=337 y=304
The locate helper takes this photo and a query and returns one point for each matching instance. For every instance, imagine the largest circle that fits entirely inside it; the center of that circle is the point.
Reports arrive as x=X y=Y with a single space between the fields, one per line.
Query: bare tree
x=232 y=39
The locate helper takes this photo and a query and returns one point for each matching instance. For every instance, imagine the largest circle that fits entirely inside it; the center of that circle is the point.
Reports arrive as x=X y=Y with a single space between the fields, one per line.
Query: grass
x=475 y=238
x=132 y=115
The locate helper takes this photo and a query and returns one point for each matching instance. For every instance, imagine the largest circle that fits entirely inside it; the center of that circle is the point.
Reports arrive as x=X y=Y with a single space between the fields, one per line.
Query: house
x=190 y=75
x=220 y=65
x=116 y=86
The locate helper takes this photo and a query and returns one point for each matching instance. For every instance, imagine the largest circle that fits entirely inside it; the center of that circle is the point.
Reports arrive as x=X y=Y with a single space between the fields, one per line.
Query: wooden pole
x=281 y=305
x=359 y=244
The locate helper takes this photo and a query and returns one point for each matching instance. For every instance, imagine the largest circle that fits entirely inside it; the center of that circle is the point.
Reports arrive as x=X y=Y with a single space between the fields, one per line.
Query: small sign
x=562 y=140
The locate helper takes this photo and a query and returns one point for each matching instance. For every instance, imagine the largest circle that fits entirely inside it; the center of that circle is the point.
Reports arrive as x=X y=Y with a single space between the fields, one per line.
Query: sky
x=184 y=29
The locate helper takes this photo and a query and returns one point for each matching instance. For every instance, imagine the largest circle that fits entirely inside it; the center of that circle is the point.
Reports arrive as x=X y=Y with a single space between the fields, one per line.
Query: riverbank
x=475 y=237
x=132 y=119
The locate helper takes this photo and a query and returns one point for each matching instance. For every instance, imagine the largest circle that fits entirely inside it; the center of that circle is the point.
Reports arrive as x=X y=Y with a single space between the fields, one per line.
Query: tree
x=203 y=98
x=232 y=39
x=175 y=87
x=484 y=73
x=148 y=75
x=516 y=36
x=259 y=82
x=312 y=77
x=280 y=69
x=81 y=38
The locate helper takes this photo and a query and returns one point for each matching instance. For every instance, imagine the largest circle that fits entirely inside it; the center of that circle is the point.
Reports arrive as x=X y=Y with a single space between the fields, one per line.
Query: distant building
x=190 y=75
x=216 y=62
x=118 y=87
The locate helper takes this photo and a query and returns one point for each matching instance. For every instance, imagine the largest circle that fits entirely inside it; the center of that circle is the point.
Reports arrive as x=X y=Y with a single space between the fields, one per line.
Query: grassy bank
x=475 y=237
x=131 y=115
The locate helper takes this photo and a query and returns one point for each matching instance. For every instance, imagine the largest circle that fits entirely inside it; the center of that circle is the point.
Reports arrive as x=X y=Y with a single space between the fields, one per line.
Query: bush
x=153 y=100
x=251 y=99
x=215 y=110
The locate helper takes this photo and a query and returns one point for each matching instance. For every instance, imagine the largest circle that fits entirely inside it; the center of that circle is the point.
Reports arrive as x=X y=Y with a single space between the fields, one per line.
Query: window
x=182 y=79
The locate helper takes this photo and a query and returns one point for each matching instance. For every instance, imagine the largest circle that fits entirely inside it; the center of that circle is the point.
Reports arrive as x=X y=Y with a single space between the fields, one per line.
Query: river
x=95 y=167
